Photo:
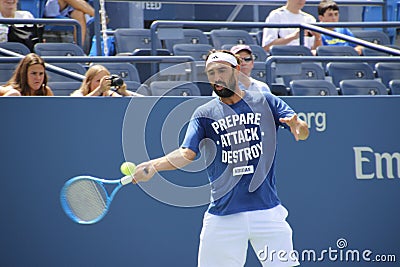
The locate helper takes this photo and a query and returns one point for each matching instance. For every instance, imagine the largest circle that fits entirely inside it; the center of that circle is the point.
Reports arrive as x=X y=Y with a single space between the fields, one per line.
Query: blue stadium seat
x=64 y=88
x=259 y=53
x=34 y=6
x=312 y=88
x=16 y=47
x=362 y=87
x=372 y=52
x=394 y=86
x=326 y=50
x=190 y=36
x=174 y=88
x=373 y=36
x=6 y=71
x=74 y=67
x=290 y=50
x=349 y=71
x=258 y=36
x=129 y=39
x=125 y=70
x=136 y=87
x=197 y=51
x=144 y=69
x=222 y=37
x=58 y=49
x=309 y=71
x=259 y=71
x=387 y=71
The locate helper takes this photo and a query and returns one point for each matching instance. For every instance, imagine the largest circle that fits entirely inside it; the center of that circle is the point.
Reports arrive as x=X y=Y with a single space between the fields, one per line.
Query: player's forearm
x=280 y=41
x=177 y=159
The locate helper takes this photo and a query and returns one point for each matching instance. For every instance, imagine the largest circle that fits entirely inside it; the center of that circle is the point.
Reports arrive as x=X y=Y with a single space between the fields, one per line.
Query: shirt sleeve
x=280 y=109
x=194 y=133
x=349 y=33
x=270 y=34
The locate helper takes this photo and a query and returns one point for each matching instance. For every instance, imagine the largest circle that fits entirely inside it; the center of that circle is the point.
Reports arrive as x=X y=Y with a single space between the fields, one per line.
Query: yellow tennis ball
x=128 y=168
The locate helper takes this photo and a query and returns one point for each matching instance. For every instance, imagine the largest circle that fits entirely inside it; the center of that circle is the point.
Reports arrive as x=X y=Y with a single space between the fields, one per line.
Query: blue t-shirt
x=239 y=143
x=334 y=41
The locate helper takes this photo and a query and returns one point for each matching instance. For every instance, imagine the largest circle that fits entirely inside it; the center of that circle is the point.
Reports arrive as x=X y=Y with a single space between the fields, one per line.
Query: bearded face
x=222 y=79
x=228 y=89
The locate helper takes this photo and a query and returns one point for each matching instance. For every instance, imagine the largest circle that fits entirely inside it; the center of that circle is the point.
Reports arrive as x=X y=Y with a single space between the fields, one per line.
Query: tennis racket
x=86 y=200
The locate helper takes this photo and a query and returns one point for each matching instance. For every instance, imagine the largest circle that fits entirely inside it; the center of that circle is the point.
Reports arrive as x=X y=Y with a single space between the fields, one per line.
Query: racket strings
x=86 y=199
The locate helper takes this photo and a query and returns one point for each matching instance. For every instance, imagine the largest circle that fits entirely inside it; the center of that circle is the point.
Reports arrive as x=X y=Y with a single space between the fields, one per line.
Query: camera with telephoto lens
x=116 y=80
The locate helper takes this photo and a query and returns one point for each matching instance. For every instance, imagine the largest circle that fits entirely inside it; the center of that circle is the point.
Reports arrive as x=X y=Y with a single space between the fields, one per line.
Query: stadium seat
x=6 y=71
x=309 y=71
x=197 y=51
x=33 y=6
x=126 y=71
x=144 y=69
x=190 y=36
x=373 y=36
x=372 y=52
x=349 y=71
x=64 y=88
x=362 y=87
x=259 y=70
x=135 y=86
x=387 y=71
x=174 y=88
x=290 y=50
x=221 y=37
x=326 y=50
x=74 y=67
x=394 y=86
x=129 y=39
x=16 y=47
x=312 y=88
x=259 y=36
x=58 y=49
x=259 y=53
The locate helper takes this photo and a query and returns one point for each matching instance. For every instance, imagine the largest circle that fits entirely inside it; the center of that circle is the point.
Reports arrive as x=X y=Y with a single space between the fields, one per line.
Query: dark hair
x=327 y=5
x=19 y=79
x=223 y=51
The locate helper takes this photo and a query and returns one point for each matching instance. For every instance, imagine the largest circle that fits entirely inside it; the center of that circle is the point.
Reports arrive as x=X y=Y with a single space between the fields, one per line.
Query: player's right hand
x=144 y=172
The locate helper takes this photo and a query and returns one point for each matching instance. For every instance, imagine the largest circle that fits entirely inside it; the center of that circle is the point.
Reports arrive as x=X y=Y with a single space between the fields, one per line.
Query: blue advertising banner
x=341 y=186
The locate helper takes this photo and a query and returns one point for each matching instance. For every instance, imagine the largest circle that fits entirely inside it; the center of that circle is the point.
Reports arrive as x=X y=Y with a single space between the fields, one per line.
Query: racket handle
x=126 y=179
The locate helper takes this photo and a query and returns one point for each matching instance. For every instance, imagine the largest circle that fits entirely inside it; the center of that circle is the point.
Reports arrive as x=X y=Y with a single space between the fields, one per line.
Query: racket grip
x=126 y=179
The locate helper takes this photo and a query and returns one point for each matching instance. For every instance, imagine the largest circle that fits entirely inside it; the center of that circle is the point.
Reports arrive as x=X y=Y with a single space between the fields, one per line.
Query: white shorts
x=224 y=239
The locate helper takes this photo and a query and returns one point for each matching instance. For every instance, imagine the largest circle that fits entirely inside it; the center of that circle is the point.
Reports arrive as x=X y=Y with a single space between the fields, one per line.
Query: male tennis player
x=244 y=202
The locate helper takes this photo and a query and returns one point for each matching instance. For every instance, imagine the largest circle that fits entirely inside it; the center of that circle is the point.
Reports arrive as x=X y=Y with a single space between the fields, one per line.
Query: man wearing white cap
x=240 y=127
x=246 y=66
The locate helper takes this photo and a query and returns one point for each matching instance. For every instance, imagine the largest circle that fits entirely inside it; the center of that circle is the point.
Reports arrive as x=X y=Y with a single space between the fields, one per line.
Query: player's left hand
x=294 y=124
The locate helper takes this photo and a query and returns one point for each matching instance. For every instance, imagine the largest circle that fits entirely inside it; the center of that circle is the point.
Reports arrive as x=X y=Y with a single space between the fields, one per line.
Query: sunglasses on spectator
x=247 y=59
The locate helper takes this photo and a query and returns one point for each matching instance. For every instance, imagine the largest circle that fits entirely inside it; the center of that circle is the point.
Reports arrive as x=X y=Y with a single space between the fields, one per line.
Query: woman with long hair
x=30 y=77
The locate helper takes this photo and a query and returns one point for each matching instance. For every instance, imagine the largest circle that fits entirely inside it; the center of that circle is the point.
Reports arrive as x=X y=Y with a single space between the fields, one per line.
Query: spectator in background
x=328 y=11
x=246 y=82
x=97 y=83
x=8 y=10
x=290 y=13
x=7 y=91
x=74 y=9
x=30 y=78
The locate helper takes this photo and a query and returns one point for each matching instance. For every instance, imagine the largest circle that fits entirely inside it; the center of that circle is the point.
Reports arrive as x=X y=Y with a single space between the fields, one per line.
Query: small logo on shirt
x=243 y=170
